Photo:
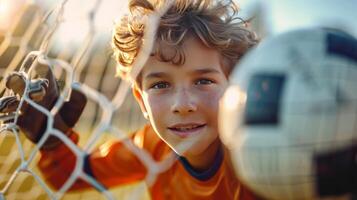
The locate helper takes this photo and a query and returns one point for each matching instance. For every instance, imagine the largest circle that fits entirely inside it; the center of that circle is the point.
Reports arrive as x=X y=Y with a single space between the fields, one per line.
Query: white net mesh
x=109 y=114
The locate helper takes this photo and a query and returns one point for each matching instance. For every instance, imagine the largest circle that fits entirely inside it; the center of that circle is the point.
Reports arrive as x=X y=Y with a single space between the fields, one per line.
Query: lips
x=186 y=130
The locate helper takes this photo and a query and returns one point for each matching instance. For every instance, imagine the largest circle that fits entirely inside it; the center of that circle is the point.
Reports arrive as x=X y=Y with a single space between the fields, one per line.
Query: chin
x=198 y=146
x=194 y=150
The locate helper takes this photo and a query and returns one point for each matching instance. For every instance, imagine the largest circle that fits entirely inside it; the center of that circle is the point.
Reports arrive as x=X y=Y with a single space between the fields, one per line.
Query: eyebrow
x=156 y=75
x=198 y=71
x=205 y=71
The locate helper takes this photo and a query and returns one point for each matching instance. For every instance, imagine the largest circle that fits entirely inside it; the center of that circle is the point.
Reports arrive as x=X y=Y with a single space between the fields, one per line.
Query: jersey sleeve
x=57 y=164
x=111 y=164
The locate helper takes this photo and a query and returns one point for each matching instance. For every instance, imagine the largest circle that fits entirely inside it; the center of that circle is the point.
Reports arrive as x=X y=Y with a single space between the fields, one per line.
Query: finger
x=44 y=89
x=72 y=110
x=38 y=89
x=7 y=118
x=8 y=104
x=42 y=69
x=16 y=82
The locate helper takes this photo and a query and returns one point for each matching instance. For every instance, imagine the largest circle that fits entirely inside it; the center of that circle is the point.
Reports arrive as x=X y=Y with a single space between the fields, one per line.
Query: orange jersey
x=113 y=164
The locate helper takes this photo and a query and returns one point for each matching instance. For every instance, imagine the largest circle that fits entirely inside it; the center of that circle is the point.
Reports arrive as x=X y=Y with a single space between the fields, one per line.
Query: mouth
x=186 y=130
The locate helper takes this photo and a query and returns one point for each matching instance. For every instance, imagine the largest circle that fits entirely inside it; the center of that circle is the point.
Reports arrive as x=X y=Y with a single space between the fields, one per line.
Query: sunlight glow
x=4 y=14
x=8 y=10
x=76 y=24
x=234 y=97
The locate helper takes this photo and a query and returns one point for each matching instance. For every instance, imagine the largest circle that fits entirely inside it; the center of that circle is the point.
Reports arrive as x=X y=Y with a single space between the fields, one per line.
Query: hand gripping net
x=17 y=156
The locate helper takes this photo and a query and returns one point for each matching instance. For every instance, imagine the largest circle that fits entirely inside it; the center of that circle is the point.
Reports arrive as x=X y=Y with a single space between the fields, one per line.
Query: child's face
x=182 y=101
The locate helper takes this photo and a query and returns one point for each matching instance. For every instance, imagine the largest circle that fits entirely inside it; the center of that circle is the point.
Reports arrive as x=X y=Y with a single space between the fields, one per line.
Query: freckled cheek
x=211 y=100
x=210 y=105
x=156 y=106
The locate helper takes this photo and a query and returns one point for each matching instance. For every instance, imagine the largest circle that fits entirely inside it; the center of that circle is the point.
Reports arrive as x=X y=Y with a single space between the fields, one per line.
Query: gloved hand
x=44 y=90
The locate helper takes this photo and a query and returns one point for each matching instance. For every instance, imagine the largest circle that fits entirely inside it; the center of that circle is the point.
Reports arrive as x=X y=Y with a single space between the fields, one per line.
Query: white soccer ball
x=289 y=116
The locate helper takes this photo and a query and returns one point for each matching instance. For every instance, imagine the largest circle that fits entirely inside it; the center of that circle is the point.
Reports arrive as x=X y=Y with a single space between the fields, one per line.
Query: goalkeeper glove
x=43 y=89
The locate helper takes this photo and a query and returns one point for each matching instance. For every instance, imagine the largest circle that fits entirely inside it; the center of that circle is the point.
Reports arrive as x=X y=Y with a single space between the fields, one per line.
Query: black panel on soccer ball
x=263 y=99
x=336 y=172
x=342 y=45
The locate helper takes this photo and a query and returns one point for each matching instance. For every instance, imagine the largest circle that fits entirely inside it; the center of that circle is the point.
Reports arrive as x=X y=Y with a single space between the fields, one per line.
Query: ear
x=139 y=98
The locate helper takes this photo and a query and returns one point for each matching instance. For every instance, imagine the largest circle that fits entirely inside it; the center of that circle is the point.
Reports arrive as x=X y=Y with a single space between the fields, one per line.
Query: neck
x=204 y=161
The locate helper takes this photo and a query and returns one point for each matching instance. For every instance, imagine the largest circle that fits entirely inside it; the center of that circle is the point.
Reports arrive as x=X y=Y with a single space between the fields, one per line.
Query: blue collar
x=207 y=174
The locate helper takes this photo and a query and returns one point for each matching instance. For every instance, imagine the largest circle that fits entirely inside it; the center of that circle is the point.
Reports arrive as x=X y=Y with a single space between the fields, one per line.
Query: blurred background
x=22 y=30
x=276 y=16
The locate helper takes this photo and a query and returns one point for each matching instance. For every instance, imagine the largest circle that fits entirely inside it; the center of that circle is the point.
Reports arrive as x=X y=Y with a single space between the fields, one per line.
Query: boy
x=178 y=89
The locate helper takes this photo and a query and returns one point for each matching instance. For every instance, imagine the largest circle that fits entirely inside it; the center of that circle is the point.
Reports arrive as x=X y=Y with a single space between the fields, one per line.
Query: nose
x=184 y=102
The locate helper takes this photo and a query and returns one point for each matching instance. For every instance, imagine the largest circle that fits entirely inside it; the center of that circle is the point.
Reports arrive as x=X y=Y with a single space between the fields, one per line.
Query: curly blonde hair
x=214 y=23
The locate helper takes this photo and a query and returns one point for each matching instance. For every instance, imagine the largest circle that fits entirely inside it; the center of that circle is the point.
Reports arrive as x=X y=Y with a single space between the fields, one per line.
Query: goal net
x=76 y=36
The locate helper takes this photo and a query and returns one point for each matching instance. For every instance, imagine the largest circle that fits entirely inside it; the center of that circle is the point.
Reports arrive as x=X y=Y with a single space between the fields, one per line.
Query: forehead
x=194 y=52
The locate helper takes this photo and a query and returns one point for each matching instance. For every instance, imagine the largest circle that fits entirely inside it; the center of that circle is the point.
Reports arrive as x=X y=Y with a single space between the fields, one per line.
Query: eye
x=204 y=82
x=160 y=85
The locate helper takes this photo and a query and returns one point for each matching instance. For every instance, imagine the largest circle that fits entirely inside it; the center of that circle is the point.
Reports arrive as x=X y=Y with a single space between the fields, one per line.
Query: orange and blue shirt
x=113 y=164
